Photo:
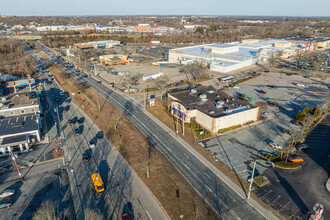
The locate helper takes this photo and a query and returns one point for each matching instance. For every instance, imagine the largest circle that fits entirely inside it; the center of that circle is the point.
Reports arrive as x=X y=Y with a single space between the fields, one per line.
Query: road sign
x=319 y=215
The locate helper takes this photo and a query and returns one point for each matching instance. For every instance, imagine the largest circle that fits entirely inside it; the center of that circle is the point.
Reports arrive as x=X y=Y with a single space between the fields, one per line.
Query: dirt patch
x=164 y=180
x=42 y=54
x=161 y=113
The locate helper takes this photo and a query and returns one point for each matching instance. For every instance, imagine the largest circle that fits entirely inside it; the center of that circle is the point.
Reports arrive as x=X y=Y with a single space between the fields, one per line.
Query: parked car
x=125 y=216
x=62 y=94
x=5 y=204
x=262 y=91
x=86 y=156
x=81 y=120
x=72 y=121
x=303 y=147
x=6 y=193
x=57 y=99
x=300 y=85
x=99 y=135
x=99 y=82
x=92 y=142
x=67 y=101
x=236 y=87
x=64 y=109
x=275 y=145
x=77 y=131
x=295 y=159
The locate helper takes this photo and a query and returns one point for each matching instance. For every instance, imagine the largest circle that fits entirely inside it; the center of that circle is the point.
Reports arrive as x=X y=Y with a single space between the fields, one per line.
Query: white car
x=6 y=193
x=61 y=93
x=300 y=85
x=275 y=145
x=235 y=87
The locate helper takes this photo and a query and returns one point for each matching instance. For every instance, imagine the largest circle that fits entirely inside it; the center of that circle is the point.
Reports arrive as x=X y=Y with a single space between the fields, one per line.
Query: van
x=98 y=183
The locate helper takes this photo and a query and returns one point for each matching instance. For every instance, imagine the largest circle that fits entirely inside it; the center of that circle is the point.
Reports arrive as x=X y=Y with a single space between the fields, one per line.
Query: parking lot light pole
x=14 y=159
x=252 y=179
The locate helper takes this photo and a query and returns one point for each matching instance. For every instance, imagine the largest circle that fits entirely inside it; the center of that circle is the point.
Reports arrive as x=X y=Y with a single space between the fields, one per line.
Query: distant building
x=210 y=109
x=310 y=43
x=97 y=44
x=19 y=118
x=113 y=59
x=226 y=57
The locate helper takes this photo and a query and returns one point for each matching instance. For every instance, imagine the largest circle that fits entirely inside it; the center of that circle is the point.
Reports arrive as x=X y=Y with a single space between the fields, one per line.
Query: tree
x=91 y=214
x=196 y=70
x=132 y=79
x=272 y=60
x=49 y=211
x=316 y=112
x=301 y=116
x=161 y=83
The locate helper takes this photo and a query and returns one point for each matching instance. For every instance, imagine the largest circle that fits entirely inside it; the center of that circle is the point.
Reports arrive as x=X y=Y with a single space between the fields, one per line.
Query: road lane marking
x=186 y=155
x=186 y=166
x=207 y=175
x=169 y=149
x=148 y=215
x=209 y=188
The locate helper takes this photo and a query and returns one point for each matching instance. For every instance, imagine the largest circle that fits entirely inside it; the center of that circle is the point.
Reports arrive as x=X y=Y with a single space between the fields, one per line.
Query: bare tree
x=50 y=211
x=91 y=214
x=131 y=80
x=161 y=84
x=196 y=70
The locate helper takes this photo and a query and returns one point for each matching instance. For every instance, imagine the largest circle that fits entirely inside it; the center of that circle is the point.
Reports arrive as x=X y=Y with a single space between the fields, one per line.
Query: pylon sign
x=319 y=215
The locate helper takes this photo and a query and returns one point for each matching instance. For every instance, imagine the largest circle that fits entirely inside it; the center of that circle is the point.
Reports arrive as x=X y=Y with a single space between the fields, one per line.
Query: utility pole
x=183 y=126
x=144 y=101
x=252 y=179
x=13 y=157
x=177 y=126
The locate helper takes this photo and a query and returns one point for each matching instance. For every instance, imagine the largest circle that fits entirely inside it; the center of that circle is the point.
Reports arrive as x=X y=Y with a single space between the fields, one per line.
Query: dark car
x=77 y=131
x=272 y=86
x=262 y=91
x=57 y=99
x=92 y=142
x=303 y=147
x=99 y=135
x=72 y=121
x=86 y=156
x=64 y=109
x=99 y=82
x=81 y=120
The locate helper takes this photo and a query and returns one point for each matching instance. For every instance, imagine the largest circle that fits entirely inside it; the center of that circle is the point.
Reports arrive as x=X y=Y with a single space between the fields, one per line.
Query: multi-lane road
x=210 y=186
x=125 y=193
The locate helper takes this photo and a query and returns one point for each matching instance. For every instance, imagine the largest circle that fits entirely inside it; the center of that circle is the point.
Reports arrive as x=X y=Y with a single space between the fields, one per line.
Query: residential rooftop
x=211 y=102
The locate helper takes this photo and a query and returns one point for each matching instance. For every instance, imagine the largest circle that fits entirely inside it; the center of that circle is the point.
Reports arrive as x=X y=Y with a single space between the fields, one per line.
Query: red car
x=125 y=216
x=262 y=92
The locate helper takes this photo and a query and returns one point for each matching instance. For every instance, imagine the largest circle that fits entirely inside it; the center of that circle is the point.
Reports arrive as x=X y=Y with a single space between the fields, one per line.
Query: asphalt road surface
x=124 y=193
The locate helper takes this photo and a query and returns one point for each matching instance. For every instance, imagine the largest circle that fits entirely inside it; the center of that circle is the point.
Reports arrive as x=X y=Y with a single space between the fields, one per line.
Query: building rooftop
x=307 y=39
x=17 y=125
x=211 y=102
x=16 y=100
x=14 y=139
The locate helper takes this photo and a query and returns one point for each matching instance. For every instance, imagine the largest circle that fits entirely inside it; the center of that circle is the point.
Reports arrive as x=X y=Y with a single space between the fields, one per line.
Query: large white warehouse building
x=226 y=57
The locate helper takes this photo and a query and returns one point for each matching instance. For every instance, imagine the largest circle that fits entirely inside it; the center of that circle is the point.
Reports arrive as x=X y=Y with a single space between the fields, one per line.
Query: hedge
x=287 y=165
x=230 y=128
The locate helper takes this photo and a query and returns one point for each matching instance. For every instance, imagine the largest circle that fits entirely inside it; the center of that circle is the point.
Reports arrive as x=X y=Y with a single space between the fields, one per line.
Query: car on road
x=5 y=204
x=57 y=99
x=86 y=75
x=92 y=142
x=81 y=120
x=86 y=156
x=6 y=193
x=72 y=121
x=125 y=216
x=77 y=131
x=303 y=147
x=275 y=145
x=262 y=91
x=64 y=109
x=295 y=159
x=271 y=86
x=99 y=135
x=300 y=85
x=235 y=87
x=99 y=82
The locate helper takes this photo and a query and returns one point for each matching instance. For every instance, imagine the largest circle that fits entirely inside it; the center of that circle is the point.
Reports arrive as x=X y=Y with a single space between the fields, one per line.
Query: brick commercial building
x=210 y=109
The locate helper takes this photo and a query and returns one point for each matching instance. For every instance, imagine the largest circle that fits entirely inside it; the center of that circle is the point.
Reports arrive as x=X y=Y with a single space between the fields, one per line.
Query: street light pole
x=14 y=159
x=252 y=179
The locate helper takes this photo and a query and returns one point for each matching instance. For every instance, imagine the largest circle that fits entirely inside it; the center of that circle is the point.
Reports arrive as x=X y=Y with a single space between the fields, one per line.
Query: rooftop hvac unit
x=211 y=91
x=1 y=105
x=3 y=99
x=204 y=100
x=221 y=102
x=218 y=105
x=193 y=91
x=211 y=112
x=202 y=96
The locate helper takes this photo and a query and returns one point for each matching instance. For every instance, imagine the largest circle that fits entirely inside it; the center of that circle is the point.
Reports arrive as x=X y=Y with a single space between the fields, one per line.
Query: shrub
x=260 y=181
x=230 y=128
x=316 y=112
x=301 y=116
x=288 y=165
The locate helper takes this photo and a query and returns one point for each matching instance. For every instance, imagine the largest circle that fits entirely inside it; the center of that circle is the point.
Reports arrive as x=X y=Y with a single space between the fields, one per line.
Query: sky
x=165 y=7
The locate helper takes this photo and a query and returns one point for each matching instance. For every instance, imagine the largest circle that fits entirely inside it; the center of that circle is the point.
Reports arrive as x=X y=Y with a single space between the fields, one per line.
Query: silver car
x=6 y=193
x=5 y=204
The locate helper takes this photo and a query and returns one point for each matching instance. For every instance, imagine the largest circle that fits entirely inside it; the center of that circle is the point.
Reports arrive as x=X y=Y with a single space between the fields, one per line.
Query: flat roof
x=16 y=100
x=308 y=39
x=14 y=139
x=192 y=101
x=20 y=124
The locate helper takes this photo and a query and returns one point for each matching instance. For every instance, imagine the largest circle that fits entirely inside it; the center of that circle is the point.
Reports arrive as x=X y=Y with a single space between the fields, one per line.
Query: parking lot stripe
x=186 y=166
x=169 y=149
x=284 y=206
x=275 y=200
x=293 y=214
x=186 y=155
x=266 y=194
x=209 y=188
x=207 y=175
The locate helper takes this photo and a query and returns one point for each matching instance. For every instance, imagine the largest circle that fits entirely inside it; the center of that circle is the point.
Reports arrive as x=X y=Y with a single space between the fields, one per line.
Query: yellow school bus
x=98 y=183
